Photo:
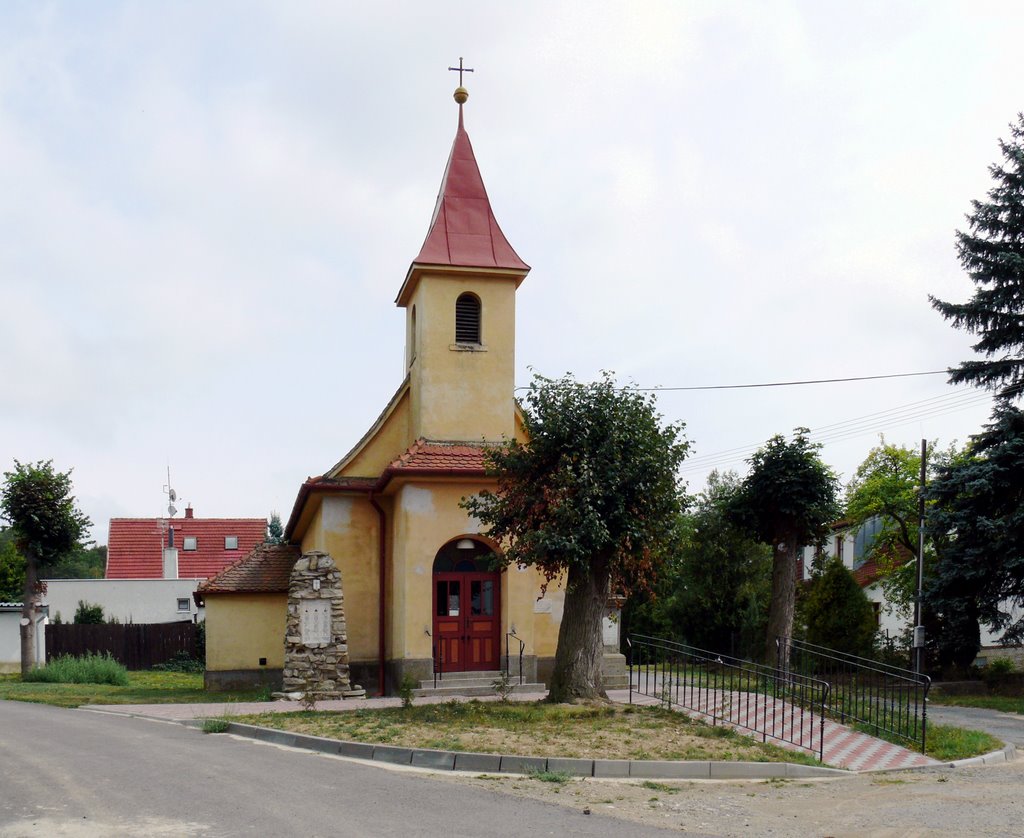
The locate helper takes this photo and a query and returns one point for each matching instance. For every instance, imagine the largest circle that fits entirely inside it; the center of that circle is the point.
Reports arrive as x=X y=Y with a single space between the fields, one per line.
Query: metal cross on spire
x=460 y=70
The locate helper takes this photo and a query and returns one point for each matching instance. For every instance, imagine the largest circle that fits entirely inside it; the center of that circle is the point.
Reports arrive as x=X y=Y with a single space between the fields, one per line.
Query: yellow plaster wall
x=426 y=517
x=346 y=527
x=242 y=628
x=385 y=443
x=547 y=614
x=312 y=538
x=459 y=394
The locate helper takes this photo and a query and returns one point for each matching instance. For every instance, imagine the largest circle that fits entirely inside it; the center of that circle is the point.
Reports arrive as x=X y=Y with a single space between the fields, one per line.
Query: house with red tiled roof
x=154 y=566
x=853 y=544
x=179 y=548
x=420 y=595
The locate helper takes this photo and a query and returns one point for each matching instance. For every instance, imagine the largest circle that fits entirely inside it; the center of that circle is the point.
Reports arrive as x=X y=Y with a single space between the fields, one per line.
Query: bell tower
x=459 y=297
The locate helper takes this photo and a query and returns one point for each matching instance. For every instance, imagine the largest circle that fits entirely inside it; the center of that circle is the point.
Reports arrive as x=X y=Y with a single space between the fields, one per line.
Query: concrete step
x=446 y=688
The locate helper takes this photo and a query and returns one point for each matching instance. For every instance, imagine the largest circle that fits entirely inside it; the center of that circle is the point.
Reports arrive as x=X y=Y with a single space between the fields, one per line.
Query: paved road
x=83 y=774
x=1009 y=727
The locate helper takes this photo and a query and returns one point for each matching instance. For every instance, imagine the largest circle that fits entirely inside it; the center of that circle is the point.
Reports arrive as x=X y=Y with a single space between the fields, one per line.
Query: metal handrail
x=438 y=663
x=773 y=702
x=887 y=699
x=522 y=646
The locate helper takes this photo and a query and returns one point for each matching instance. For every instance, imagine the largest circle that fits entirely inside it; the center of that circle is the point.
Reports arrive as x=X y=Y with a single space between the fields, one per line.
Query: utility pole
x=918 y=627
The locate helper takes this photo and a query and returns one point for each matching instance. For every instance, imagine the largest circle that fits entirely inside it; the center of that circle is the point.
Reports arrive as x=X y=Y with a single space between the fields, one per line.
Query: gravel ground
x=985 y=800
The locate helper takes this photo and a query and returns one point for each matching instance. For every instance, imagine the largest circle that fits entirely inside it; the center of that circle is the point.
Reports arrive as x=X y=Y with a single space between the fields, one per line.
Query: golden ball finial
x=461 y=95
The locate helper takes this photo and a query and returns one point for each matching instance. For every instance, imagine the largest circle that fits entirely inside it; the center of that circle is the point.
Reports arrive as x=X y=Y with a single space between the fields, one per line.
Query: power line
x=772 y=383
x=859 y=426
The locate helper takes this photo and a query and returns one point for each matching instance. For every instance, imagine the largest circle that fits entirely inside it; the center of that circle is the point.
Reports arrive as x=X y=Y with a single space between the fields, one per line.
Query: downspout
x=381 y=520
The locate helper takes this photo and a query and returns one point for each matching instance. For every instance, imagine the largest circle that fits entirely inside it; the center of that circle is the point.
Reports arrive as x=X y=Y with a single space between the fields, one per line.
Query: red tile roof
x=463 y=230
x=442 y=457
x=867 y=574
x=135 y=545
x=267 y=569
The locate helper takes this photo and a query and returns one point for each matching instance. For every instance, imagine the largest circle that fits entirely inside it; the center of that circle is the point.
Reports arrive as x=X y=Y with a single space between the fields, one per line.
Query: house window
x=467 y=319
x=183 y=604
x=190 y=542
x=231 y=542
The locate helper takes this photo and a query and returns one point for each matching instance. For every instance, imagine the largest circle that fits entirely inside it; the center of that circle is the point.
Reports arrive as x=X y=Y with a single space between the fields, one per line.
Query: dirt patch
x=940 y=802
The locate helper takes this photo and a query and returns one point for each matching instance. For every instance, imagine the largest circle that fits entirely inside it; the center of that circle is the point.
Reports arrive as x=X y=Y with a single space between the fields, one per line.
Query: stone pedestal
x=316 y=639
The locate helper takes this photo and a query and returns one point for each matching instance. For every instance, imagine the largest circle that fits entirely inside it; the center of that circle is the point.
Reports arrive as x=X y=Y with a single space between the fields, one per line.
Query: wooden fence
x=136 y=645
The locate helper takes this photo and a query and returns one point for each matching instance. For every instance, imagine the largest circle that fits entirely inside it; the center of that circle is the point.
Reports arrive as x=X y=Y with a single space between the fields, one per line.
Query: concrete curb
x=1005 y=754
x=599 y=768
x=508 y=764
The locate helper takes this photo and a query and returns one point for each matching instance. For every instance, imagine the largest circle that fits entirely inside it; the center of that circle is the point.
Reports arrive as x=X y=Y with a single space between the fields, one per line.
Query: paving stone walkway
x=789 y=727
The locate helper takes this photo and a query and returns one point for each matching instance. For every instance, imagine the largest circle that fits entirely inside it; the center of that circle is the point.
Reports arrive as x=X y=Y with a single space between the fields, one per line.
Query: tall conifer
x=992 y=253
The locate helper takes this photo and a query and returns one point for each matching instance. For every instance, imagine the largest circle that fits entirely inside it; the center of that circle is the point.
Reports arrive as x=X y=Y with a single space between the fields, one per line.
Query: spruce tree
x=992 y=253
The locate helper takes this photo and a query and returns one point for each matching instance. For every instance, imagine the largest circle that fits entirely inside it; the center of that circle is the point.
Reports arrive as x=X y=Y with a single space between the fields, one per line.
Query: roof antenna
x=172 y=496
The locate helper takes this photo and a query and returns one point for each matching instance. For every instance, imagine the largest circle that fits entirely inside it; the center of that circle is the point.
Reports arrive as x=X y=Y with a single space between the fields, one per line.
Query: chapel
x=420 y=596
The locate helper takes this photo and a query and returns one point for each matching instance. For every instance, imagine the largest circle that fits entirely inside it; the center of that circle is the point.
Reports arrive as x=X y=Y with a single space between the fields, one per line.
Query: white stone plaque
x=315 y=620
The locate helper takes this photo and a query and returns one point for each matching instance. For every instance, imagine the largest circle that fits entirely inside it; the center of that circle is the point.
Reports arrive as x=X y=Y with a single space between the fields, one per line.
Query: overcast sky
x=207 y=209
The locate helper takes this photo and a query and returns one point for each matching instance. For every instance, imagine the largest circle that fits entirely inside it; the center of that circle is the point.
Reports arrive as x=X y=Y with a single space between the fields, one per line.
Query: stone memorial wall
x=316 y=639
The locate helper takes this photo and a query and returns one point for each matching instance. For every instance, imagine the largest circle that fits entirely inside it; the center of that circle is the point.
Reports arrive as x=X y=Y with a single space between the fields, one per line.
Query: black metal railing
x=889 y=701
x=438 y=663
x=782 y=705
x=508 y=660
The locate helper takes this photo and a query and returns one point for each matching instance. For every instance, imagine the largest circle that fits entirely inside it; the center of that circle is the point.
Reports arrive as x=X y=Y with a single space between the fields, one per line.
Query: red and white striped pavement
x=790 y=727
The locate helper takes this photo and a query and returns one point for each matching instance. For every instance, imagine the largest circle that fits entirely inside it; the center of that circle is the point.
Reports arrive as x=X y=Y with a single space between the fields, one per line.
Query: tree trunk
x=580 y=653
x=29 y=606
x=780 y=610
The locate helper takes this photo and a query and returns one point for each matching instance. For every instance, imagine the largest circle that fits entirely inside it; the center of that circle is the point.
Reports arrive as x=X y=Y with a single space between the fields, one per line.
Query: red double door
x=467 y=621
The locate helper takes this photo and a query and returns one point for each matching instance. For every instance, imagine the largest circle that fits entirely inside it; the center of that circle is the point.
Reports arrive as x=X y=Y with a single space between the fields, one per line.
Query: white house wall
x=895 y=621
x=129 y=600
x=10 y=637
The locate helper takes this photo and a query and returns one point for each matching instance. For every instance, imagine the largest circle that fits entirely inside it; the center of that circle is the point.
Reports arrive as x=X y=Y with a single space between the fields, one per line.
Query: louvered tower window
x=467 y=319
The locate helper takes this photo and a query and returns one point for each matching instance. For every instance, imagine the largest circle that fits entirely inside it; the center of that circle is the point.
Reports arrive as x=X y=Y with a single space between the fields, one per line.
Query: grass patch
x=87 y=669
x=947 y=743
x=559 y=777
x=654 y=786
x=943 y=742
x=1002 y=703
x=144 y=687
x=215 y=725
x=591 y=731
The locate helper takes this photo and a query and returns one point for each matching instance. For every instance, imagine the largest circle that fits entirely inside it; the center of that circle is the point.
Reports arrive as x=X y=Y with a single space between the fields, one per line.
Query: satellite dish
x=171 y=510
x=172 y=495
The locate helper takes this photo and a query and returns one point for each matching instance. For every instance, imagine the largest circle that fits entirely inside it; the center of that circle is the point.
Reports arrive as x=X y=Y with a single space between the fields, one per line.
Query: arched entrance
x=467 y=607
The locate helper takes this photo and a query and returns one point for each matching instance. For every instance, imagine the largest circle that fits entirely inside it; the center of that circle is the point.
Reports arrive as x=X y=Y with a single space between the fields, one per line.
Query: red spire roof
x=463 y=230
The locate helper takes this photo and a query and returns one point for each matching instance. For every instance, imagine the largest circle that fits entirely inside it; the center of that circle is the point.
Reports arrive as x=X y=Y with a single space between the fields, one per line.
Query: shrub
x=1000 y=667
x=88 y=669
x=405 y=689
x=838 y=613
x=181 y=662
x=88 y=614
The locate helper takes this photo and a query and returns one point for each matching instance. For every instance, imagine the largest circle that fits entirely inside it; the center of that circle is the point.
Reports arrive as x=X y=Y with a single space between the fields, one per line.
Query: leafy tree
x=714 y=592
x=992 y=253
x=88 y=614
x=593 y=498
x=837 y=612
x=787 y=500
x=275 y=532
x=12 y=568
x=977 y=520
x=83 y=562
x=47 y=525
x=886 y=487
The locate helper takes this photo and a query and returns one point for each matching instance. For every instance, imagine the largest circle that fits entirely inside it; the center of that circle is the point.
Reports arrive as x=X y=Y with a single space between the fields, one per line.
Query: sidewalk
x=844 y=747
